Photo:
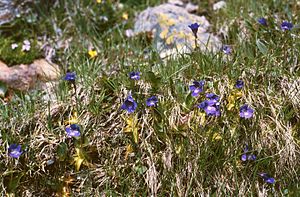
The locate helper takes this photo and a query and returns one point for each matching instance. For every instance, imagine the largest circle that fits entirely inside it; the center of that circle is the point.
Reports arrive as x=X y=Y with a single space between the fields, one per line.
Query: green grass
x=178 y=153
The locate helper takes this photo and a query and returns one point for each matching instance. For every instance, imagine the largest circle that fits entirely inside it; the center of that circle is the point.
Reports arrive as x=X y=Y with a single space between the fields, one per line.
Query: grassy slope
x=175 y=155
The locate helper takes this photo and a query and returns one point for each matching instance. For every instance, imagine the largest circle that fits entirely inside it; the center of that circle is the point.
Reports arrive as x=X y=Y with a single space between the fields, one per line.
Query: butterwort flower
x=152 y=101
x=246 y=156
x=194 y=27
x=267 y=178
x=212 y=97
x=262 y=21
x=15 y=150
x=73 y=130
x=226 y=49
x=70 y=76
x=211 y=106
x=285 y=25
x=129 y=104
x=134 y=75
x=239 y=84
x=197 y=87
x=246 y=112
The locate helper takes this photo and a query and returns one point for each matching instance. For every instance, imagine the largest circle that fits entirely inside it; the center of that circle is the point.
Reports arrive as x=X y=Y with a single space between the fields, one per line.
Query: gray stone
x=7 y=11
x=169 y=25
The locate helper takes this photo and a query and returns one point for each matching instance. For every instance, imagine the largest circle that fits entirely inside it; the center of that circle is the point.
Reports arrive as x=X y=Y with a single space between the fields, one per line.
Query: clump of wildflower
x=267 y=178
x=98 y=1
x=92 y=53
x=262 y=21
x=211 y=106
x=197 y=87
x=239 y=84
x=246 y=112
x=129 y=104
x=246 y=156
x=26 y=45
x=70 y=76
x=135 y=75
x=73 y=130
x=152 y=101
x=15 y=150
x=285 y=25
x=226 y=49
x=194 y=27
x=14 y=46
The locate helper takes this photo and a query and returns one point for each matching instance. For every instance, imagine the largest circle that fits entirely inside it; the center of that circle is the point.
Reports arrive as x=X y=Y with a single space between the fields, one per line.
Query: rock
x=191 y=7
x=171 y=35
x=23 y=77
x=219 y=5
x=7 y=11
x=46 y=71
x=176 y=2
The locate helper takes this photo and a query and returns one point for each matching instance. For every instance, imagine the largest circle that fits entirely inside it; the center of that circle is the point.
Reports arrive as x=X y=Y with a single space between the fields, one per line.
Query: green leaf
x=62 y=151
x=261 y=46
x=14 y=182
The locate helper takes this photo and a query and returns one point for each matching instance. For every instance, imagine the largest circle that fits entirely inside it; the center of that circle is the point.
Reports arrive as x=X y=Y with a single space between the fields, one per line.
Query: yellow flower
x=132 y=126
x=125 y=16
x=72 y=120
x=93 y=53
x=129 y=150
x=99 y=1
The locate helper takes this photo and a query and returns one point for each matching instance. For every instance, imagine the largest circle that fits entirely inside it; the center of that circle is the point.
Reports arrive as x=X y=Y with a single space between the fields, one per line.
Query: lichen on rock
x=169 y=25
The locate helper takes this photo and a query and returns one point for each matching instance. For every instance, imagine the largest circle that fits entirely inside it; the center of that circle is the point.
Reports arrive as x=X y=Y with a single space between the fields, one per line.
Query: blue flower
x=134 y=75
x=15 y=150
x=212 y=97
x=267 y=178
x=70 y=76
x=262 y=21
x=211 y=106
x=226 y=49
x=239 y=84
x=246 y=112
x=152 y=101
x=73 y=130
x=194 y=27
x=246 y=156
x=197 y=87
x=129 y=104
x=286 y=26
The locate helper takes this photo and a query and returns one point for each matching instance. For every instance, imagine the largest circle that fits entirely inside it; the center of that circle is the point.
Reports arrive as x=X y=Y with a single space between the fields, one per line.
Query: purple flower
x=15 y=150
x=211 y=106
x=262 y=21
x=239 y=84
x=267 y=178
x=212 y=97
x=134 y=75
x=129 y=104
x=197 y=87
x=194 y=27
x=152 y=101
x=286 y=26
x=246 y=112
x=246 y=156
x=226 y=49
x=70 y=76
x=73 y=130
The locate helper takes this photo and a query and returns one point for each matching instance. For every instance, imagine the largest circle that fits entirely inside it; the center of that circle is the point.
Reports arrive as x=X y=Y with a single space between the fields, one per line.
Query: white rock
x=219 y=5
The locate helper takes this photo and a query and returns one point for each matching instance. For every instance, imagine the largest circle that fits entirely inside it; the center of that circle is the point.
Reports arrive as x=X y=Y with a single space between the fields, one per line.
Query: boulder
x=169 y=23
x=23 y=77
